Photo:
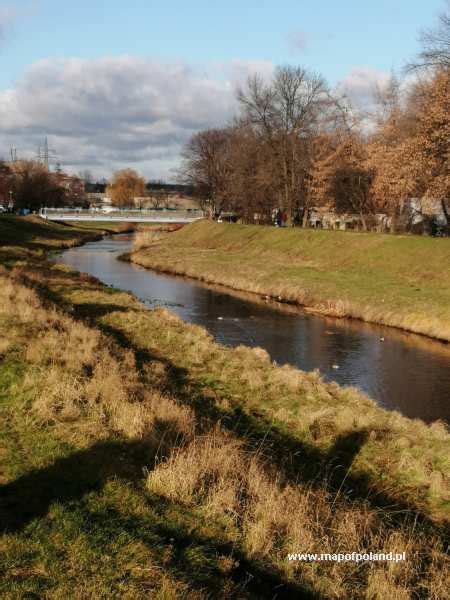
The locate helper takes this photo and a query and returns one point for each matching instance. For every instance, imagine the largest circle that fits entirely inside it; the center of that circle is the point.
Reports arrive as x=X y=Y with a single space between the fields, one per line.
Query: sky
x=117 y=84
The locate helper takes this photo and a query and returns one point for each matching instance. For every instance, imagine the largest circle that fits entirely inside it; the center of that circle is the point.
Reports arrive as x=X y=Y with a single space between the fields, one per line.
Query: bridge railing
x=149 y=215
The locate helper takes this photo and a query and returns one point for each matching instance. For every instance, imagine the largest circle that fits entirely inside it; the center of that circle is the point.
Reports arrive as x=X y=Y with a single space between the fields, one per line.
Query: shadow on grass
x=181 y=550
x=188 y=549
x=28 y=231
x=86 y=310
x=295 y=459
x=69 y=478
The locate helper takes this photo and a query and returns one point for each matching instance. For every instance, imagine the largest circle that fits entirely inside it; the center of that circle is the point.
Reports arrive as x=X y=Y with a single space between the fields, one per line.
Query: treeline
x=28 y=184
x=297 y=146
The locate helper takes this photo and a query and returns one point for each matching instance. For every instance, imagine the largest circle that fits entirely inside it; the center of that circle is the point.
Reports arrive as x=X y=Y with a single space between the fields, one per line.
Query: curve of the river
x=400 y=371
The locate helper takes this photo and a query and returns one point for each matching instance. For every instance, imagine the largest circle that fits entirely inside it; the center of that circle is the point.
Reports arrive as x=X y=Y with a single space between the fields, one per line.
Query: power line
x=45 y=154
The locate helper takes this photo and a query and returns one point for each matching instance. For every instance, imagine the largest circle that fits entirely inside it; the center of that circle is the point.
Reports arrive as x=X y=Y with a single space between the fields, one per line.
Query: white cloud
x=361 y=84
x=110 y=112
x=238 y=70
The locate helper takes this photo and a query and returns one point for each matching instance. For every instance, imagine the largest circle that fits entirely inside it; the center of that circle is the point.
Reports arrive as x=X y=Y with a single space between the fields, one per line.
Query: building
x=416 y=215
x=74 y=186
x=99 y=200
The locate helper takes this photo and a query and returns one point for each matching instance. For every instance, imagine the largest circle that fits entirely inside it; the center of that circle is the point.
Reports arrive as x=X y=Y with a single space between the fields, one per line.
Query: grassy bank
x=39 y=235
x=106 y=226
x=402 y=281
x=122 y=227
x=140 y=458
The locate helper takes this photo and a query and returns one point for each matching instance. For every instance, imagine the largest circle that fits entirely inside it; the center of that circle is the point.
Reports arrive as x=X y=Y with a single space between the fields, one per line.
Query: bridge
x=123 y=216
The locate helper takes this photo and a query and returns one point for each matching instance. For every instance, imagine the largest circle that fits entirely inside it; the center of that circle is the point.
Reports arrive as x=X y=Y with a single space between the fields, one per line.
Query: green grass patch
x=402 y=281
x=141 y=459
x=35 y=233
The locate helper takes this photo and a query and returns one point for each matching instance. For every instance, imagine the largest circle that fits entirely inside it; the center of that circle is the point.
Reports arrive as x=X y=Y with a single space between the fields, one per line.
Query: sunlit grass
x=402 y=281
x=142 y=459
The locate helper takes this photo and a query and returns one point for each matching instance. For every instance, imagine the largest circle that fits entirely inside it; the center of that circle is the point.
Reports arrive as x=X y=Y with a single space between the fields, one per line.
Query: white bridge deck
x=128 y=216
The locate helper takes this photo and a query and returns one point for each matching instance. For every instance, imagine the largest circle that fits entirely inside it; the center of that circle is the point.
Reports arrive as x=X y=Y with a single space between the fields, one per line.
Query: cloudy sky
x=118 y=84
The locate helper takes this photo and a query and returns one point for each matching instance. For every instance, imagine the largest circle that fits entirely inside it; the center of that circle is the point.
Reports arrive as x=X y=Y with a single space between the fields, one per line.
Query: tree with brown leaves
x=125 y=185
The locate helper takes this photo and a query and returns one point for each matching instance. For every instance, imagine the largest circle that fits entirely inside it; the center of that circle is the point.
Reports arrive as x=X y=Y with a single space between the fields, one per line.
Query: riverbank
x=143 y=458
x=400 y=281
x=41 y=236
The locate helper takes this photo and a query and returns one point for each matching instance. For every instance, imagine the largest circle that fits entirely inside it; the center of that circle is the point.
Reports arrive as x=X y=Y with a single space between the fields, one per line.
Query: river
x=400 y=371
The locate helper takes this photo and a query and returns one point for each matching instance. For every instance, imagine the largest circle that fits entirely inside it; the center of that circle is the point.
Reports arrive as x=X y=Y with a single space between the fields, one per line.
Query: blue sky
x=213 y=43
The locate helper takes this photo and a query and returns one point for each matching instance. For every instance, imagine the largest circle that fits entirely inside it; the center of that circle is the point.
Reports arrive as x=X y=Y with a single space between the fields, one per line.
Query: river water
x=400 y=371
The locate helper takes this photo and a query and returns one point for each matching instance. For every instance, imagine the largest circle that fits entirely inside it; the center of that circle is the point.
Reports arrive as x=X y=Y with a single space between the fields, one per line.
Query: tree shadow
x=87 y=310
x=296 y=460
x=250 y=576
x=70 y=478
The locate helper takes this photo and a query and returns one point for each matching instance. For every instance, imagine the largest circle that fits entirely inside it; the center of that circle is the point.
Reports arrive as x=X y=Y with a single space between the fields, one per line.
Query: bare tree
x=87 y=176
x=287 y=111
x=205 y=166
x=435 y=44
x=159 y=199
x=34 y=186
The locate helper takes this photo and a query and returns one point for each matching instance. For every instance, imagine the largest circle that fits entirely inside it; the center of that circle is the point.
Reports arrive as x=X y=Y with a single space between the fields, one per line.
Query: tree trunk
x=305 y=217
x=363 y=220
x=447 y=216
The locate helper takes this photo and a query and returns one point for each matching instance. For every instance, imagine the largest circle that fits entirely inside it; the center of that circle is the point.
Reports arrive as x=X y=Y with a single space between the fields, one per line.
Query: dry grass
x=143 y=239
x=401 y=281
x=219 y=479
x=403 y=458
x=210 y=417
x=86 y=388
x=80 y=377
x=146 y=236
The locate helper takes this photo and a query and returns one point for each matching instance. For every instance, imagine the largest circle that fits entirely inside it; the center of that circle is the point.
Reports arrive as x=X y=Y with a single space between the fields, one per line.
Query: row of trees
x=29 y=184
x=295 y=146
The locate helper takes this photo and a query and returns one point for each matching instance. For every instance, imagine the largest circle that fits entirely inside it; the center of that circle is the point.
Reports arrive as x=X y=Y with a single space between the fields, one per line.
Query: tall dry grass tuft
x=207 y=471
x=215 y=475
x=78 y=376
x=145 y=238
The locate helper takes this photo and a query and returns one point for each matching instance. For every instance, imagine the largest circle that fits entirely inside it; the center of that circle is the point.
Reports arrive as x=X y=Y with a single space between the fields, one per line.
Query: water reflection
x=405 y=372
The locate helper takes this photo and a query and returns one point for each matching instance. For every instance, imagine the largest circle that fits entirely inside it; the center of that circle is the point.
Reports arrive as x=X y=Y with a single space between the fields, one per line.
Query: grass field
x=402 y=281
x=142 y=459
